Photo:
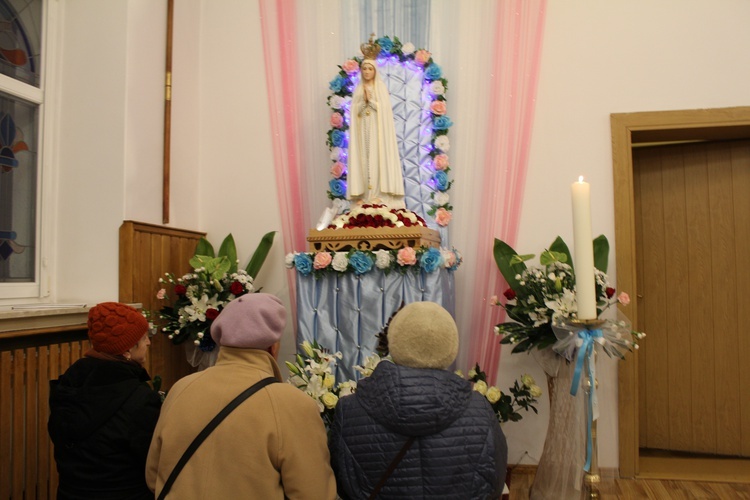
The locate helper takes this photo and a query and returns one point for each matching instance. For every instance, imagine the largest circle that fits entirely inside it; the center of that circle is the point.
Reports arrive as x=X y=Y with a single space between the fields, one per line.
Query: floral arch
x=417 y=89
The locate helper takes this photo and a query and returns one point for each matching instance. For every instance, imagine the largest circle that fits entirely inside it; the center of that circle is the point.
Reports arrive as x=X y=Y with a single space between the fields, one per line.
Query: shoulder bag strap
x=391 y=467
x=210 y=427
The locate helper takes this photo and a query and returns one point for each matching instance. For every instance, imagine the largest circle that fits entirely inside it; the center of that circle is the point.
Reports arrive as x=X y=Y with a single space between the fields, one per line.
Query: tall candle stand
x=591 y=478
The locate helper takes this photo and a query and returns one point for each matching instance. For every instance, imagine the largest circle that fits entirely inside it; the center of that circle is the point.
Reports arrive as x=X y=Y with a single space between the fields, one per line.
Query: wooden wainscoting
x=28 y=361
x=147 y=251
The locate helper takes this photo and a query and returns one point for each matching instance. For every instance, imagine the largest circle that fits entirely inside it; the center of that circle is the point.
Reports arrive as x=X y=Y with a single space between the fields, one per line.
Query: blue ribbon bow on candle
x=588 y=337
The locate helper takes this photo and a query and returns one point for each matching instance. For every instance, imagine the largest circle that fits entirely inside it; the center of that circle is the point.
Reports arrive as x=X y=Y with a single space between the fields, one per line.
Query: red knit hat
x=114 y=328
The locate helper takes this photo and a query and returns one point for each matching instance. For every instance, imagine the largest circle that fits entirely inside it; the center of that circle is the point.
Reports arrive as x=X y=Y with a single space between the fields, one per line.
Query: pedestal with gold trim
x=386 y=238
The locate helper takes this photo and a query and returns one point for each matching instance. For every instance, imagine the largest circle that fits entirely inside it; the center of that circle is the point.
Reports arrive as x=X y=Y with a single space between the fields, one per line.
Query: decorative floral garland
x=435 y=85
x=361 y=262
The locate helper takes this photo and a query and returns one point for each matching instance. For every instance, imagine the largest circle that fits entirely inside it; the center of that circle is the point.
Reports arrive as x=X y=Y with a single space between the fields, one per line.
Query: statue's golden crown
x=370 y=49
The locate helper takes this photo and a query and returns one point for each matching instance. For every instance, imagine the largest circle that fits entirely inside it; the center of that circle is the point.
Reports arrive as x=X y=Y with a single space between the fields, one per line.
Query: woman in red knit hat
x=102 y=411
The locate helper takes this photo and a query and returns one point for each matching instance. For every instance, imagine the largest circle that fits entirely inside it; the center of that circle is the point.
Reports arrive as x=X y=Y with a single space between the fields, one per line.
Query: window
x=21 y=111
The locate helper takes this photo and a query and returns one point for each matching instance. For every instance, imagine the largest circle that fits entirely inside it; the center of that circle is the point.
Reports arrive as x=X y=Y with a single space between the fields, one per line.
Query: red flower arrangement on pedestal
x=377 y=216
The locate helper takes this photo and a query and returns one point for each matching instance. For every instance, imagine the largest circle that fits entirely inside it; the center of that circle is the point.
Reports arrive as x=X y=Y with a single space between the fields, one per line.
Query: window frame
x=45 y=96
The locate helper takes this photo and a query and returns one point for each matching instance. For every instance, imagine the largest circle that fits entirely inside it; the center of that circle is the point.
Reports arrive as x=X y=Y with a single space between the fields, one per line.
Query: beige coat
x=272 y=446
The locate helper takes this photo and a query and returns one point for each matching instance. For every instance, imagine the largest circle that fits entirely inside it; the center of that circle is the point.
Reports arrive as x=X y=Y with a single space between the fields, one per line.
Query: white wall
x=599 y=58
x=613 y=57
x=91 y=160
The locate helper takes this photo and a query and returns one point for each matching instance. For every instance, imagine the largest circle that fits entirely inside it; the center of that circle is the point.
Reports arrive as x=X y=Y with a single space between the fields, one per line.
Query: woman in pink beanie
x=102 y=411
x=271 y=446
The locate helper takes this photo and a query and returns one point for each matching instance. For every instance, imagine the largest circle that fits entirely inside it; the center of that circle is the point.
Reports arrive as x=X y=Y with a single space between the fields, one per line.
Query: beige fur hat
x=423 y=335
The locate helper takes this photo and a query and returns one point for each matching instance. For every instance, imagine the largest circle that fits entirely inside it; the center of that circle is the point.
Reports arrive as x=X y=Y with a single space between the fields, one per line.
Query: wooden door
x=692 y=223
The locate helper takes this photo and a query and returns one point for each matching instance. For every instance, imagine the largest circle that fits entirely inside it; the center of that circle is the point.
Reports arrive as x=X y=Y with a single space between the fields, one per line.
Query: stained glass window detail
x=18 y=189
x=20 y=39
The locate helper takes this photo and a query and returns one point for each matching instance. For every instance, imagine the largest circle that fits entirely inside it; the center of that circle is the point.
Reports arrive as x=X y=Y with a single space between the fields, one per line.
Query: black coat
x=102 y=417
x=460 y=451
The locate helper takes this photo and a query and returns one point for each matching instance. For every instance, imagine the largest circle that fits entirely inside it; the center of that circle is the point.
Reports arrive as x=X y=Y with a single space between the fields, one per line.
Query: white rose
x=443 y=143
x=328 y=381
x=459 y=373
x=481 y=387
x=407 y=48
x=472 y=373
x=336 y=101
x=535 y=391
x=527 y=380
x=335 y=154
x=493 y=394
x=329 y=399
x=289 y=260
x=441 y=198
x=340 y=261
x=437 y=87
x=383 y=259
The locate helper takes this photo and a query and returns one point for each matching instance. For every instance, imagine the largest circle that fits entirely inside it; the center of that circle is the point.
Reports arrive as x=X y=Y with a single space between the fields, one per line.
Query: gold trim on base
x=387 y=238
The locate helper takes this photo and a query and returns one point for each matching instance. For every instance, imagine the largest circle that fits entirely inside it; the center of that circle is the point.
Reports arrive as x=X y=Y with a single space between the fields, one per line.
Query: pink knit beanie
x=114 y=328
x=252 y=321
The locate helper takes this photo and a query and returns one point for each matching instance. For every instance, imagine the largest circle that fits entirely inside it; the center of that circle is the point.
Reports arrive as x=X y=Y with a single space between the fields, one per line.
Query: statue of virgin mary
x=374 y=166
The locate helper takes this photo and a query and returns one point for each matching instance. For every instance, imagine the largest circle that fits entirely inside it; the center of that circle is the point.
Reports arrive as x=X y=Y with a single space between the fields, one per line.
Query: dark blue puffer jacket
x=460 y=451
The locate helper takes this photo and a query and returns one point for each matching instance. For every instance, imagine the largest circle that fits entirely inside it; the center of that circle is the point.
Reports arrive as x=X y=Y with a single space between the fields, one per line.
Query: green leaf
x=548 y=257
x=229 y=250
x=216 y=267
x=504 y=257
x=558 y=246
x=204 y=247
x=260 y=254
x=517 y=259
x=601 y=253
x=200 y=260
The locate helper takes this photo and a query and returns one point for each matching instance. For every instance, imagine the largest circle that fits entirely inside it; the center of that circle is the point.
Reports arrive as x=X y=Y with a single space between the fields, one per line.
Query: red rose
x=610 y=292
x=180 y=289
x=236 y=288
x=509 y=294
x=407 y=222
x=211 y=314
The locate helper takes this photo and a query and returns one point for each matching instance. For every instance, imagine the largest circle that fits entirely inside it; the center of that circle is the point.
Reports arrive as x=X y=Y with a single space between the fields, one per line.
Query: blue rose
x=338 y=138
x=360 y=262
x=337 y=83
x=441 y=123
x=431 y=260
x=303 y=263
x=433 y=72
x=337 y=187
x=441 y=180
x=386 y=44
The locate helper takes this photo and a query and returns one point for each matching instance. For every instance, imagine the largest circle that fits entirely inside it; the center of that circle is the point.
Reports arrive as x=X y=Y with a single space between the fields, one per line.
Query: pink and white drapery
x=515 y=62
x=278 y=22
x=491 y=58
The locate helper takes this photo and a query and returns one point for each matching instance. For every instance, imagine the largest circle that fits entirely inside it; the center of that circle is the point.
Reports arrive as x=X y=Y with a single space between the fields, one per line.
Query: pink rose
x=161 y=294
x=623 y=298
x=337 y=120
x=494 y=301
x=440 y=162
x=322 y=260
x=407 y=256
x=422 y=56
x=350 y=66
x=438 y=107
x=337 y=169
x=443 y=217
x=449 y=258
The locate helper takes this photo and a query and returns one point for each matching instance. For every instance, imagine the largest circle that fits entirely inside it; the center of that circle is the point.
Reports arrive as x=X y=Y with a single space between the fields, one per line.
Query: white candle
x=583 y=256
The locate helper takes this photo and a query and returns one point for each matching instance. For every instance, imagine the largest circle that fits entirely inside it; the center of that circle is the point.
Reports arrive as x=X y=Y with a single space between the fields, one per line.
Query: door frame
x=629 y=129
